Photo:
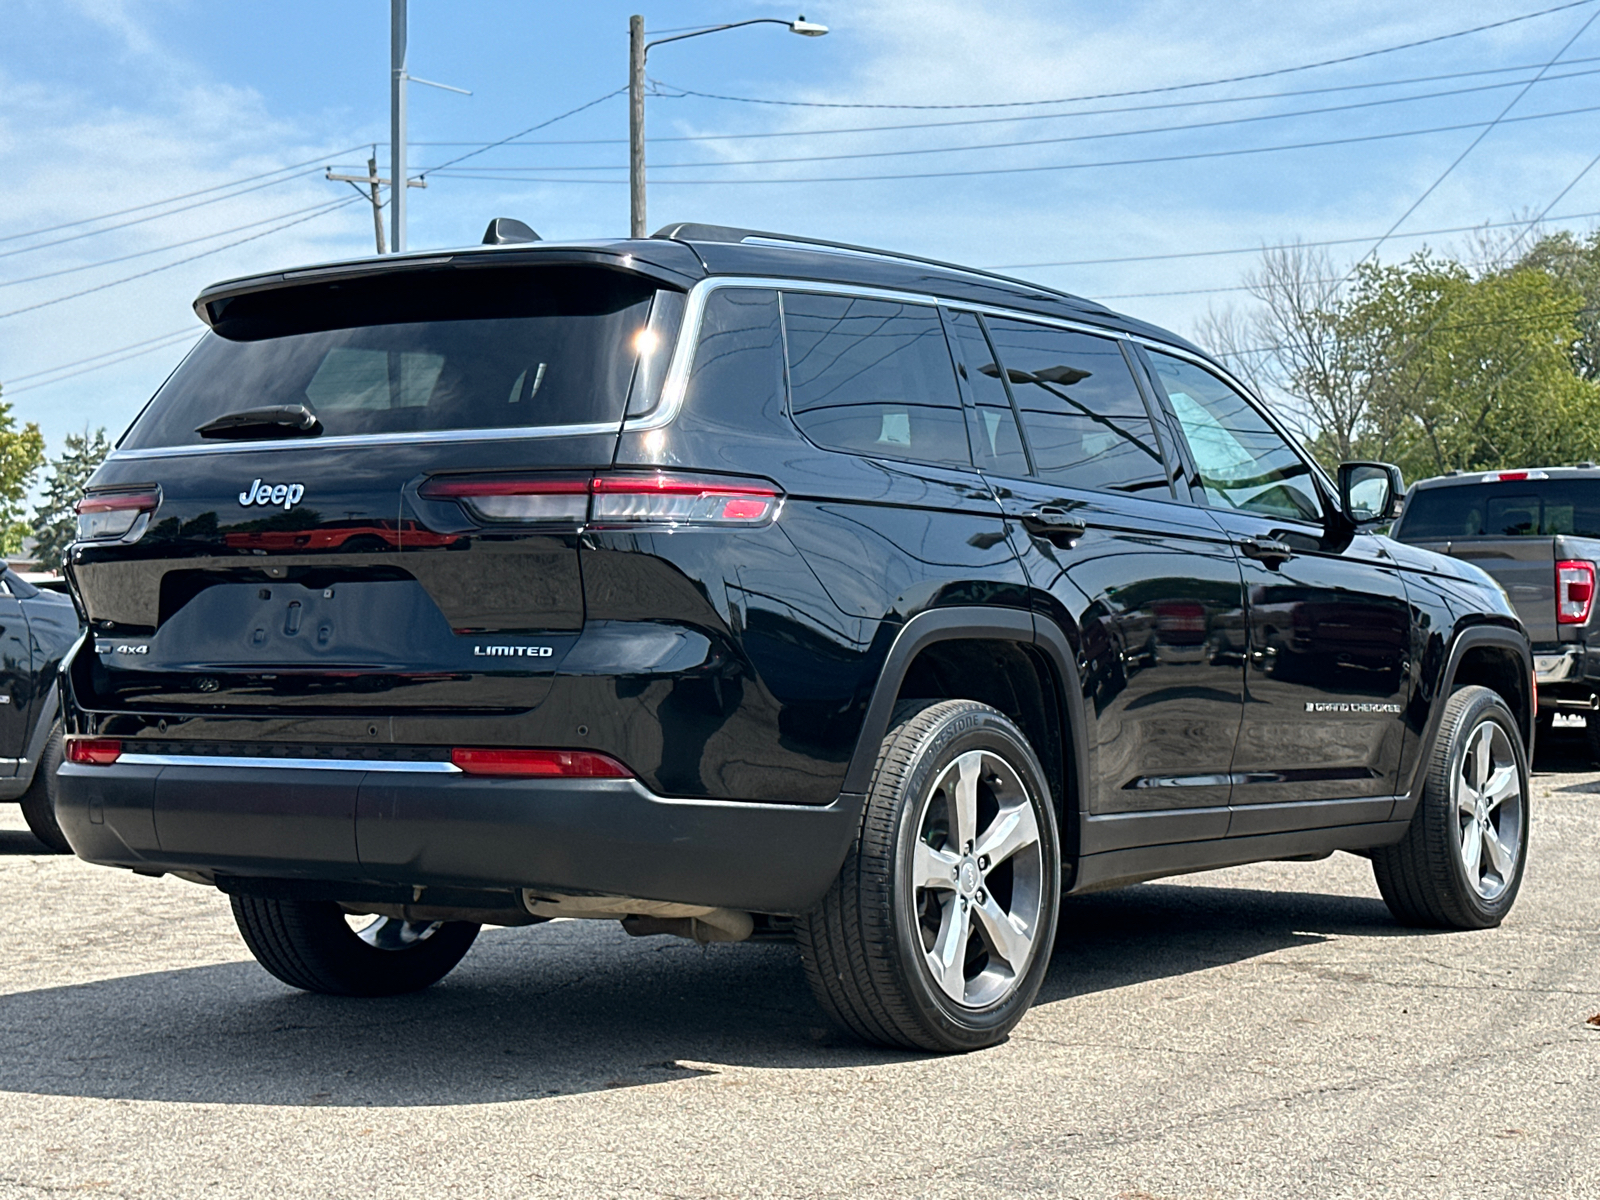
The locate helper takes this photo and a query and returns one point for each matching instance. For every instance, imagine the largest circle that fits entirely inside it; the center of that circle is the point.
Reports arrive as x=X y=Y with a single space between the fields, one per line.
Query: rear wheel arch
x=1014 y=661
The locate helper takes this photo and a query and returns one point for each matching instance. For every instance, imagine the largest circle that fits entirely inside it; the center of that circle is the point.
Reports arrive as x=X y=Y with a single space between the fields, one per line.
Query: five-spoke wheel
x=1460 y=864
x=937 y=932
x=977 y=869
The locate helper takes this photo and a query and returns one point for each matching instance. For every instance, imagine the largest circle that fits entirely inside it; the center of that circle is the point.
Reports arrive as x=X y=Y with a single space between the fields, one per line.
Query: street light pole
x=638 y=48
x=397 y=125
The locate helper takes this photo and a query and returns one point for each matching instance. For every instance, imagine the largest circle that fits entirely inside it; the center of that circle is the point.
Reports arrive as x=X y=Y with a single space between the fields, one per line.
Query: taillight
x=623 y=501
x=96 y=752
x=1574 y=592
x=103 y=516
x=539 y=764
x=612 y=500
x=530 y=500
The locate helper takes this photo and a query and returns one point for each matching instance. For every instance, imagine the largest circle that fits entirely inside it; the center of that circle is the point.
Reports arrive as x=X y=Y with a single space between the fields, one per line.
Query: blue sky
x=115 y=103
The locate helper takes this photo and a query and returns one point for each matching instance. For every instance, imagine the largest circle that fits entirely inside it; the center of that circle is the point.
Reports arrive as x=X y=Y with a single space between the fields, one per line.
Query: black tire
x=1591 y=735
x=1425 y=877
x=309 y=945
x=39 y=801
x=866 y=947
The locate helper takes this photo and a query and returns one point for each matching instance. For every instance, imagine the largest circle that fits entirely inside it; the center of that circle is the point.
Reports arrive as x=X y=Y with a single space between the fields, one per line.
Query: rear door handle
x=1267 y=550
x=1053 y=523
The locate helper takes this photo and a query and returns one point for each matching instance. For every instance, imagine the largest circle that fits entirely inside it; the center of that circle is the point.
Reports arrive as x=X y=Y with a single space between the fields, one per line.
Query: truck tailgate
x=1524 y=566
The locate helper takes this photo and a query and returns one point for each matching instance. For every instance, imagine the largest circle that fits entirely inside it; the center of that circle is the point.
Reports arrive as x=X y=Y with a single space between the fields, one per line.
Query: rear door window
x=996 y=438
x=426 y=351
x=873 y=377
x=1084 y=417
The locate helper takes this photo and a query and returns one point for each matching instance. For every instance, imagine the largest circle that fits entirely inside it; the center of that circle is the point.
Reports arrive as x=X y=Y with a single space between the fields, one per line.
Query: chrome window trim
x=675 y=388
x=437 y=437
x=429 y=767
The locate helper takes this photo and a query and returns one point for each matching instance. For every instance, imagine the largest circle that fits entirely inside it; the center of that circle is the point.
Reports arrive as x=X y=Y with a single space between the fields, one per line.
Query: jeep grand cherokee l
x=736 y=585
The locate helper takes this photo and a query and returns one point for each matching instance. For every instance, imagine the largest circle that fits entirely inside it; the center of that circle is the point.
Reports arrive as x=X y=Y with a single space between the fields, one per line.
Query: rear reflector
x=547 y=764
x=1574 y=592
x=106 y=515
x=98 y=752
x=612 y=500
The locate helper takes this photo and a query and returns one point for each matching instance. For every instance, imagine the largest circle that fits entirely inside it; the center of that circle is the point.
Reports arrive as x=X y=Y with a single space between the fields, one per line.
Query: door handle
x=1267 y=550
x=1052 y=523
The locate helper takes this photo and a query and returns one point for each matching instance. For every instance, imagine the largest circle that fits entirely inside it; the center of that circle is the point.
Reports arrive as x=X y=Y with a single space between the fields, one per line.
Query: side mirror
x=1370 y=493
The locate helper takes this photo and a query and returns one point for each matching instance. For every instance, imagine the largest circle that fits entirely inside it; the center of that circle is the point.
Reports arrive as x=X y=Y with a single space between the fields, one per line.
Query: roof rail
x=688 y=231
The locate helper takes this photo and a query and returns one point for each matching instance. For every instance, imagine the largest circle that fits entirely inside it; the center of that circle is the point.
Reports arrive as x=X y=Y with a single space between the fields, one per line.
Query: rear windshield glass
x=429 y=351
x=1519 y=509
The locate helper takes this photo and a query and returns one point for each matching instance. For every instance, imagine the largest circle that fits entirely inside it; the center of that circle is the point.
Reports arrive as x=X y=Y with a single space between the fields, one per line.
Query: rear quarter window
x=873 y=377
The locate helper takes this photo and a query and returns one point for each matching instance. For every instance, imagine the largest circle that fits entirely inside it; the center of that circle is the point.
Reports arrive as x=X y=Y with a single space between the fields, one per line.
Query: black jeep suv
x=732 y=585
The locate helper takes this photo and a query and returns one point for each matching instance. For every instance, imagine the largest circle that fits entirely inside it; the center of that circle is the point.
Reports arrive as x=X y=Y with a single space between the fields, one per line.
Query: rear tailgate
x=314 y=573
x=1525 y=567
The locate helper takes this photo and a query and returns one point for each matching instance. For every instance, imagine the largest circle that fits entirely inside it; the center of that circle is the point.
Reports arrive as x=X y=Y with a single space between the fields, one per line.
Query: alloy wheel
x=977 y=879
x=1489 y=810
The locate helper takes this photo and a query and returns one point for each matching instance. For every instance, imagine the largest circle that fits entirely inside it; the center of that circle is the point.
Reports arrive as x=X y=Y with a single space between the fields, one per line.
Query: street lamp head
x=807 y=28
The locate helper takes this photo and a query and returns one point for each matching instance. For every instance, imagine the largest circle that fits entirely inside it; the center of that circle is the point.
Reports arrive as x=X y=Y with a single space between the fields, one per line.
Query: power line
x=1349 y=241
x=178 y=262
x=160 y=337
x=158 y=216
x=1119 y=162
x=530 y=129
x=1061 y=116
x=106 y=262
x=148 y=347
x=1328 y=62
x=1053 y=141
x=1472 y=146
x=11 y=237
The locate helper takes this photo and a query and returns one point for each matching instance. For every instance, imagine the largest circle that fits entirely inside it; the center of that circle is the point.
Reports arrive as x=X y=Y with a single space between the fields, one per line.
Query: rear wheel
x=1591 y=734
x=1460 y=864
x=39 y=801
x=313 y=945
x=937 y=933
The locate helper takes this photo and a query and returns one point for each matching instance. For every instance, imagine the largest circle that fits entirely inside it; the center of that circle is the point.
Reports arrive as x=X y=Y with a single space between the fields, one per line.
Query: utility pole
x=373 y=181
x=636 y=49
x=397 y=124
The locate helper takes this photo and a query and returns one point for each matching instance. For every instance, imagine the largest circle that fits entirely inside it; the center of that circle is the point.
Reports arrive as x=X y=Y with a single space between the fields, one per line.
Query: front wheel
x=937 y=933
x=314 y=946
x=1460 y=863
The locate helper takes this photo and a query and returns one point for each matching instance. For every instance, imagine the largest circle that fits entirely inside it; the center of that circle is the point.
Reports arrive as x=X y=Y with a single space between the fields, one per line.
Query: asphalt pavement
x=1261 y=1031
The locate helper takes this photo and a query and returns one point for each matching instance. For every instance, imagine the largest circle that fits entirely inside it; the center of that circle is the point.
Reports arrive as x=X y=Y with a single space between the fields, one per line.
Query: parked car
x=37 y=628
x=731 y=584
x=1537 y=532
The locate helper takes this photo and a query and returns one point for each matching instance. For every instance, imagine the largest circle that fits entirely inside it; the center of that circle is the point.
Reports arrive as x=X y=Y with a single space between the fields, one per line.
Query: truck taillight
x=104 y=516
x=1574 y=592
x=95 y=752
x=612 y=500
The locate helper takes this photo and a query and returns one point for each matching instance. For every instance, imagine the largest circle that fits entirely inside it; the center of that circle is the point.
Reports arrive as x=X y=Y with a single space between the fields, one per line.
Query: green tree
x=1470 y=373
x=21 y=456
x=55 y=520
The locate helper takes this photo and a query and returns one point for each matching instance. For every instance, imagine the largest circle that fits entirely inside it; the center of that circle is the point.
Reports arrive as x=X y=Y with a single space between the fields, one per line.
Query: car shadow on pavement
x=1156 y=930
x=20 y=841
x=568 y=1007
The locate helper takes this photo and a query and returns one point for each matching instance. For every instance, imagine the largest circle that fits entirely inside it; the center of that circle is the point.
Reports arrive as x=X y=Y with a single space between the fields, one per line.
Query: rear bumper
x=417 y=829
x=1568 y=676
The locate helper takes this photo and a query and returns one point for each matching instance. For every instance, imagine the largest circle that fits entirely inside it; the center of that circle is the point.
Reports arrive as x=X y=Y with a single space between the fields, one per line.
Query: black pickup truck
x=1537 y=532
